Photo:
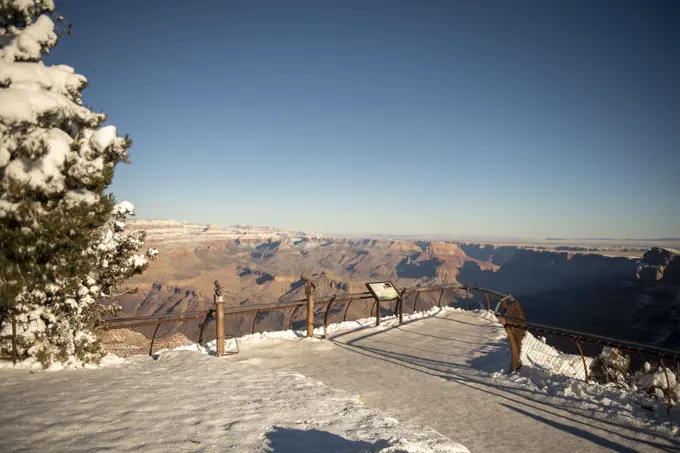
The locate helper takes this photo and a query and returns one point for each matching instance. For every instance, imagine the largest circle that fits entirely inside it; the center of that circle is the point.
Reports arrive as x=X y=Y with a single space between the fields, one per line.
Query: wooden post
x=514 y=328
x=219 y=319
x=309 y=291
x=310 y=312
x=14 y=340
x=515 y=348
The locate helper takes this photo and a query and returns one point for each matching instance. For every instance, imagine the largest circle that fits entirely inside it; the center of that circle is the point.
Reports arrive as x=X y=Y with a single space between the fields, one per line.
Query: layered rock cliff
x=578 y=289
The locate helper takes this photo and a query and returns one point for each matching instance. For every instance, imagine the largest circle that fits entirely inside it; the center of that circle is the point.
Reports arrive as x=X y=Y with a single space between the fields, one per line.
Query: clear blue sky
x=514 y=118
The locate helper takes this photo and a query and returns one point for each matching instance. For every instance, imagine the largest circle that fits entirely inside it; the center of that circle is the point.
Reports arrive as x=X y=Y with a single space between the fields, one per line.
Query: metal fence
x=573 y=354
x=589 y=357
x=148 y=334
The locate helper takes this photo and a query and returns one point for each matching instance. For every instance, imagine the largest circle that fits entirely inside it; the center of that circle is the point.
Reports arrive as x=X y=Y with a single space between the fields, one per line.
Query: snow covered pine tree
x=62 y=240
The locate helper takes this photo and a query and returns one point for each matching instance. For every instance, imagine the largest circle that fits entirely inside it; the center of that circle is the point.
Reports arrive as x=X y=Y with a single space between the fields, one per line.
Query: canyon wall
x=586 y=290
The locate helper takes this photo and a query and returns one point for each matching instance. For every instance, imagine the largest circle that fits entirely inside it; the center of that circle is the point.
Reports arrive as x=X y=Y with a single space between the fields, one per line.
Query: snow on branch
x=63 y=245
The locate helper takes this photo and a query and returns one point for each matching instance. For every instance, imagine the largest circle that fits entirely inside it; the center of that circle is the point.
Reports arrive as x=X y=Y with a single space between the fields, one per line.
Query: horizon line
x=431 y=235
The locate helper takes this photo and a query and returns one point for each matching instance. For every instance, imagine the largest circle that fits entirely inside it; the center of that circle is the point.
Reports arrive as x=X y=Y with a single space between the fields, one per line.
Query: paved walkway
x=427 y=372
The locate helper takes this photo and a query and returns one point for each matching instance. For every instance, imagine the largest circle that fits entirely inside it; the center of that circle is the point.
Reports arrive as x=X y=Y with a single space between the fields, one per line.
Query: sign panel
x=383 y=290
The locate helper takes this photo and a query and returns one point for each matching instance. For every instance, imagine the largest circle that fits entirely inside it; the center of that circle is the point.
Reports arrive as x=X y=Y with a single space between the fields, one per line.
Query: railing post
x=309 y=291
x=205 y=322
x=668 y=385
x=583 y=358
x=153 y=339
x=344 y=318
x=377 y=312
x=257 y=313
x=325 y=317
x=401 y=305
x=14 y=340
x=292 y=315
x=219 y=319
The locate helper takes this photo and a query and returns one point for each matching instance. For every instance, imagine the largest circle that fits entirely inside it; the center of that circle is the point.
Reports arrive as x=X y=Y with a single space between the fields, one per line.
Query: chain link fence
x=591 y=358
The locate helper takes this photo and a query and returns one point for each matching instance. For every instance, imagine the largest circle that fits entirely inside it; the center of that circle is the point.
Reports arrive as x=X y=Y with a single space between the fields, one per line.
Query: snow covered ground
x=442 y=369
x=564 y=378
x=447 y=371
x=545 y=370
x=185 y=401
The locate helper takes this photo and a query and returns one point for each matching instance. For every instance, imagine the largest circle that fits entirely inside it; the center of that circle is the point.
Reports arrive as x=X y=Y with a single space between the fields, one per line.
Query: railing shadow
x=520 y=396
x=465 y=374
x=598 y=440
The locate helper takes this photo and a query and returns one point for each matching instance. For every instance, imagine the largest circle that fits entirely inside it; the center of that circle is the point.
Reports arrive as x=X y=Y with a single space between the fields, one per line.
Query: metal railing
x=582 y=356
x=574 y=354
x=144 y=331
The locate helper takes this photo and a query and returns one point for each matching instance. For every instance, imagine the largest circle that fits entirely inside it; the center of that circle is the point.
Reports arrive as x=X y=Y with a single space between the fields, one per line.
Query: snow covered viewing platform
x=437 y=381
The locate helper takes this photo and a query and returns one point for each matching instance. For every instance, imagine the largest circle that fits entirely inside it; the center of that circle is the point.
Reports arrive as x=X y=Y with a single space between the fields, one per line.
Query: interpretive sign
x=383 y=290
